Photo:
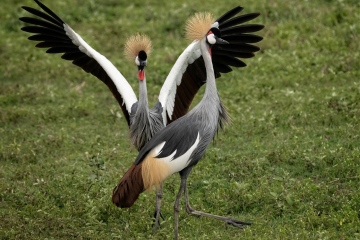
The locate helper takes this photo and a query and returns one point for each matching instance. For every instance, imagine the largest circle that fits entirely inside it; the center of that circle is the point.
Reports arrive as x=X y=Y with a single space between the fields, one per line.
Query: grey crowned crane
x=180 y=145
x=55 y=34
x=180 y=86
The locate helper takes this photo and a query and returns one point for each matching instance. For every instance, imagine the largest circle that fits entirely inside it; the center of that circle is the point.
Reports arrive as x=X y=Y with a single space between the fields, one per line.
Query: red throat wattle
x=141 y=75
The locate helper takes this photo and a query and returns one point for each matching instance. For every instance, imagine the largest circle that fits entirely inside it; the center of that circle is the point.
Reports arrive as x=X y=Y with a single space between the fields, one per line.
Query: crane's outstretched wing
x=55 y=34
x=188 y=74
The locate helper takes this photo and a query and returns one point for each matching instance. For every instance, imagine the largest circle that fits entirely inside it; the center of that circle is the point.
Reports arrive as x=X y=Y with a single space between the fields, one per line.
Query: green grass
x=289 y=163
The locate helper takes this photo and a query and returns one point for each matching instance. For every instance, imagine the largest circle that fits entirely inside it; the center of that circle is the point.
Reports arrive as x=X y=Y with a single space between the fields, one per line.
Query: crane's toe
x=157 y=216
x=237 y=223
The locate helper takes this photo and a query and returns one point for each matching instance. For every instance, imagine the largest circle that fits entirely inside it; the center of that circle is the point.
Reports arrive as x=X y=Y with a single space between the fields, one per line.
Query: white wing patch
x=168 y=90
x=122 y=86
x=157 y=150
x=181 y=162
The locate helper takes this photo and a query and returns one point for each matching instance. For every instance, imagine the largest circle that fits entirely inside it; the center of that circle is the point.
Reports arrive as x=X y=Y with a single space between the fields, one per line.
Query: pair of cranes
x=169 y=138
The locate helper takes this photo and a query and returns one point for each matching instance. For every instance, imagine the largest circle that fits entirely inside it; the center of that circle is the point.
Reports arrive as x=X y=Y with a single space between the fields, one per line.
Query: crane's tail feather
x=149 y=173
x=129 y=187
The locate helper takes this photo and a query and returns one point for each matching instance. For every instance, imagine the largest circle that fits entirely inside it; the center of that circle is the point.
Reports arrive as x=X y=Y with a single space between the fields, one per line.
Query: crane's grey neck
x=211 y=93
x=143 y=96
x=144 y=122
x=140 y=124
x=210 y=106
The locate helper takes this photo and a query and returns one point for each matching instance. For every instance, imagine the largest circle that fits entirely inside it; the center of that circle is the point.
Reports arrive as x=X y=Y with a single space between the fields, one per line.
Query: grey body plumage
x=144 y=122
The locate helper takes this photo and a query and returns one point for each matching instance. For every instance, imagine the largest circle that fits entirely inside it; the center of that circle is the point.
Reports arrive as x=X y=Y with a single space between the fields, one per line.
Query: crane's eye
x=211 y=38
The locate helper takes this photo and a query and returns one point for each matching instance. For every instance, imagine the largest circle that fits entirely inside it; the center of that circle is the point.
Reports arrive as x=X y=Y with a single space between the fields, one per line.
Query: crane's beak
x=141 y=68
x=220 y=41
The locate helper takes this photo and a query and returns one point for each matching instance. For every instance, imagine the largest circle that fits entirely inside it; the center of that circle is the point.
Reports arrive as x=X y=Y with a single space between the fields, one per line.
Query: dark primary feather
x=235 y=54
x=237 y=47
x=221 y=68
x=243 y=38
x=48 y=44
x=44 y=37
x=59 y=49
x=248 y=28
x=51 y=13
x=48 y=28
x=41 y=30
x=224 y=57
x=239 y=20
x=43 y=15
x=39 y=22
x=229 y=14
x=230 y=61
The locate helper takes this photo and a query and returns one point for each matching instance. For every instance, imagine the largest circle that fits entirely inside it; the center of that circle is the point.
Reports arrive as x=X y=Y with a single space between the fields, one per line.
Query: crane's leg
x=157 y=214
x=177 y=208
x=227 y=220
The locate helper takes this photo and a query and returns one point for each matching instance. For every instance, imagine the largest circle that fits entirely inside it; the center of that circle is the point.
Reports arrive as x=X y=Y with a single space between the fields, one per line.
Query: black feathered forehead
x=215 y=31
x=142 y=55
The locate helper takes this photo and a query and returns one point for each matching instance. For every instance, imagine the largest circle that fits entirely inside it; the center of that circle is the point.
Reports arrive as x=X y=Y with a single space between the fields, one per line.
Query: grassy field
x=289 y=163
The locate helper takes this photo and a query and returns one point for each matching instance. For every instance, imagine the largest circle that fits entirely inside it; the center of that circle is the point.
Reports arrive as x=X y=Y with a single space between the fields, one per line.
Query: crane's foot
x=156 y=220
x=236 y=223
x=227 y=220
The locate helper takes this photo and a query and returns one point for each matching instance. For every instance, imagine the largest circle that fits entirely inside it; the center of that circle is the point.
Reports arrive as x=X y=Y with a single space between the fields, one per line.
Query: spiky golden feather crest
x=134 y=44
x=198 y=25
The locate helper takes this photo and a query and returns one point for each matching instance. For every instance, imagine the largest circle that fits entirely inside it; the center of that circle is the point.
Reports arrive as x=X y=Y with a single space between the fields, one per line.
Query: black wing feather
x=240 y=19
x=243 y=38
x=72 y=56
x=52 y=44
x=230 y=61
x=49 y=29
x=44 y=37
x=248 y=28
x=51 y=13
x=42 y=15
x=221 y=68
x=229 y=14
x=45 y=31
x=240 y=47
x=41 y=23
x=62 y=49
x=234 y=54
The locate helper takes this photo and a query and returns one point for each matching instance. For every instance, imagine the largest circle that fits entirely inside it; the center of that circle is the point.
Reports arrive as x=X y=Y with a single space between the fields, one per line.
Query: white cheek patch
x=137 y=62
x=211 y=39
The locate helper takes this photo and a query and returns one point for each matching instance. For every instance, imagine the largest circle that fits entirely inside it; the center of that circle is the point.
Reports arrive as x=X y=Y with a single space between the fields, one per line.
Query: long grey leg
x=227 y=220
x=157 y=214
x=177 y=209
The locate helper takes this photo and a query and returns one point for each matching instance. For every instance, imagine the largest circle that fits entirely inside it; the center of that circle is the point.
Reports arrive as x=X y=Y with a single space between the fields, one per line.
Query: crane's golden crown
x=198 y=25
x=136 y=43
